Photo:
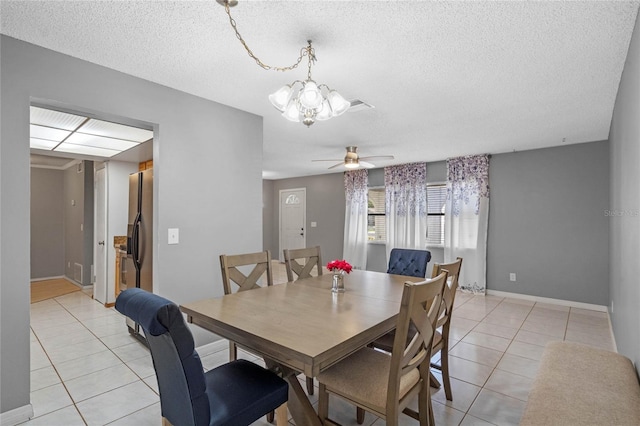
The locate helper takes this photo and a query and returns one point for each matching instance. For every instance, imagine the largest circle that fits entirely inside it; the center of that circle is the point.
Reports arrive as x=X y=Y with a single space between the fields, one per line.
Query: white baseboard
x=63 y=277
x=580 y=305
x=213 y=347
x=16 y=416
x=59 y=277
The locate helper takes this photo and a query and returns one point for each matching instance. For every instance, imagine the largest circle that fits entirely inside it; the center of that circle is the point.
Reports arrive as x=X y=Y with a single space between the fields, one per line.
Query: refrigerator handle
x=136 y=242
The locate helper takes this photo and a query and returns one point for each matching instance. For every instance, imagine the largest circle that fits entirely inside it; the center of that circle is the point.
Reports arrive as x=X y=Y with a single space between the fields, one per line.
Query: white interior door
x=100 y=237
x=293 y=212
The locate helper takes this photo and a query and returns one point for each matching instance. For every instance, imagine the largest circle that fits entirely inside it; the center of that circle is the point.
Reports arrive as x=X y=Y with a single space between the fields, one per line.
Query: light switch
x=314 y=224
x=174 y=236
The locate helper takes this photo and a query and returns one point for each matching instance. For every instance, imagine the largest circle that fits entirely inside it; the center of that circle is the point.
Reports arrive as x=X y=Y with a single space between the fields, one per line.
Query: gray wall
x=269 y=217
x=624 y=256
x=547 y=223
x=47 y=242
x=87 y=222
x=197 y=145
x=325 y=205
x=77 y=200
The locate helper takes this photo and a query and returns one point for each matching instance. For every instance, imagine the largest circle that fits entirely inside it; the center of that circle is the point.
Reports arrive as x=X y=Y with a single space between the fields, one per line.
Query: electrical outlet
x=512 y=276
x=173 y=236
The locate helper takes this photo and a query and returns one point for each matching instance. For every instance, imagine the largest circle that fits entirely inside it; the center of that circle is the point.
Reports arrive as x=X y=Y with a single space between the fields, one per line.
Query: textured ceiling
x=446 y=78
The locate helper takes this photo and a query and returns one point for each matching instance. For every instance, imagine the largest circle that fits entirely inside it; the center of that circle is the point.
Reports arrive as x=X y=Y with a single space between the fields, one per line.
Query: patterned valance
x=467 y=179
x=406 y=189
x=356 y=185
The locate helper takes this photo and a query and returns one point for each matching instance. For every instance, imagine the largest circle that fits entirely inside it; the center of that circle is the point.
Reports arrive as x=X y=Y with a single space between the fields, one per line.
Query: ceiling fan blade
x=366 y=165
x=378 y=157
x=339 y=159
x=337 y=165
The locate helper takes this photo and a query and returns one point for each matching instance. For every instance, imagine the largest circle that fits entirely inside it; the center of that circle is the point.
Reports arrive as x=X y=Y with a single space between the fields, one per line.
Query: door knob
x=100 y=243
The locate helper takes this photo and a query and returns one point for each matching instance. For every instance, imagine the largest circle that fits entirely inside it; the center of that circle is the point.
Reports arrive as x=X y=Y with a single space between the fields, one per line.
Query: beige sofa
x=582 y=385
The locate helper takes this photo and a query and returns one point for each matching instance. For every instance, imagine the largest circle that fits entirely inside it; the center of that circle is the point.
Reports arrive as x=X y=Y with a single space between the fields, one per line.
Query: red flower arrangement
x=339 y=265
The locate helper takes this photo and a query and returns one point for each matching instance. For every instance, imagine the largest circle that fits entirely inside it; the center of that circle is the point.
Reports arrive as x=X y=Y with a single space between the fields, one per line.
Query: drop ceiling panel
x=49 y=133
x=56 y=119
x=114 y=130
x=43 y=144
x=100 y=142
x=75 y=134
x=86 y=150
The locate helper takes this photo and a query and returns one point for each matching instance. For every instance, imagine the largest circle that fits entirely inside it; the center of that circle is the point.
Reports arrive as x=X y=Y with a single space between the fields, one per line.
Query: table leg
x=298 y=404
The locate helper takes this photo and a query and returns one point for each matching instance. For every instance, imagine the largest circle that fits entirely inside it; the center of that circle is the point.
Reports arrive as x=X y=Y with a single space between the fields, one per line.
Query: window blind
x=436 y=199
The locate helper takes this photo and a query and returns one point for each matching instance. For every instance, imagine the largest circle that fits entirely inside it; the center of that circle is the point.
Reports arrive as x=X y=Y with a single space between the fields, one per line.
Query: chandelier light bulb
x=325 y=112
x=339 y=105
x=291 y=111
x=281 y=97
x=311 y=97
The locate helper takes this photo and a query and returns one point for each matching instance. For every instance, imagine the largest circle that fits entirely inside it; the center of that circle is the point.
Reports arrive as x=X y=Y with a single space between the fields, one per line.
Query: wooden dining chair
x=409 y=262
x=232 y=267
x=441 y=338
x=235 y=393
x=301 y=262
x=384 y=384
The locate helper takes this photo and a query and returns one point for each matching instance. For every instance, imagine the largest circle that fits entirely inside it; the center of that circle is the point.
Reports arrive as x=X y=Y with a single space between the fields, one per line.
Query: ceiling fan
x=352 y=160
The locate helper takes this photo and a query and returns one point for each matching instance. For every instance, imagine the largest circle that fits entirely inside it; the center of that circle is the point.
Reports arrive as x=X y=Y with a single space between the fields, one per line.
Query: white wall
x=198 y=188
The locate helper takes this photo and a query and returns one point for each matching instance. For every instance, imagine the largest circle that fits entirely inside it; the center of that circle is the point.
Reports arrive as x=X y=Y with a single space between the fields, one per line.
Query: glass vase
x=337 y=282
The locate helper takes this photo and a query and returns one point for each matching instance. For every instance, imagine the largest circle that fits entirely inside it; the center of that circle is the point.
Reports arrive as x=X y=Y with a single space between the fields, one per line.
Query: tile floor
x=87 y=370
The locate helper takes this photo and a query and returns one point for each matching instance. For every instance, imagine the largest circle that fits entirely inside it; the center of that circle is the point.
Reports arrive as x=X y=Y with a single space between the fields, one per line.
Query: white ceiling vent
x=358 y=105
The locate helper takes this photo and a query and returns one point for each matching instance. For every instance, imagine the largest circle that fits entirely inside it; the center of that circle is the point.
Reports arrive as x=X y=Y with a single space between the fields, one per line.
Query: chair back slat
x=449 y=294
x=230 y=264
x=301 y=262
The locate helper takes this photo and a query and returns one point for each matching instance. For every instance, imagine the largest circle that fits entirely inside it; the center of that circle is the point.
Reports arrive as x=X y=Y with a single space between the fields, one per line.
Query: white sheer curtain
x=467 y=218
x=356 y=184
x=406 y=206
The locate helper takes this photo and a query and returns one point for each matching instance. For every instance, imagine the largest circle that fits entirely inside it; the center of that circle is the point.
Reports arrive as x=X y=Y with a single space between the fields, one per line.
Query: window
x=376 y=228
x=436 y=199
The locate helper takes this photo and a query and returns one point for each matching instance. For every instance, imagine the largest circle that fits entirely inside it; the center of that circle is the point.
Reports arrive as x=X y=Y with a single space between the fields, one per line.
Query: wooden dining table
x=302 y=326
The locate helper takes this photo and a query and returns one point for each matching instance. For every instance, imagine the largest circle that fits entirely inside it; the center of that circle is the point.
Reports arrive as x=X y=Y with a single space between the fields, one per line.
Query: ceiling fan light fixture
x=351 y=164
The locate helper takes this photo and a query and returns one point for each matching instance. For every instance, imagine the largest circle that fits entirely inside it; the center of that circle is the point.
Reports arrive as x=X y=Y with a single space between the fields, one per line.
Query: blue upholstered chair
x=236 y=393
x=409 y=262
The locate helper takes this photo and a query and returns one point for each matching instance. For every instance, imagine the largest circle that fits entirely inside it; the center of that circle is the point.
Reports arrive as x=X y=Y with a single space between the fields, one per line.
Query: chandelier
x=301 y=101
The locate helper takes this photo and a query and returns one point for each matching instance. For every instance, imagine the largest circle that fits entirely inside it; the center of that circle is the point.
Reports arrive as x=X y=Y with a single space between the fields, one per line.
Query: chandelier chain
x=305 y=51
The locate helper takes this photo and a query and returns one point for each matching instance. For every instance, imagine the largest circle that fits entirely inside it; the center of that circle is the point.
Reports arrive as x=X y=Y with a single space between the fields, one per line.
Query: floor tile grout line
x=74 y=402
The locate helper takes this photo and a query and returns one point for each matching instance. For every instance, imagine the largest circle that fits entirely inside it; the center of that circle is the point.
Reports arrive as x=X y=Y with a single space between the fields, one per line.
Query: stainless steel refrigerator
x=137 y=267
